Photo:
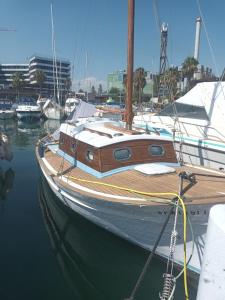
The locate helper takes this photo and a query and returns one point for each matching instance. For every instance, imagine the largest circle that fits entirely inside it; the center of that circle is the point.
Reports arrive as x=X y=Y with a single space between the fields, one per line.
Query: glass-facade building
x=57 y=73
x=115 y=80
x=7 y=72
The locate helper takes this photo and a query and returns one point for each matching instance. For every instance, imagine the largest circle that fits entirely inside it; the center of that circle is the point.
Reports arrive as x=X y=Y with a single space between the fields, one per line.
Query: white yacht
x=196 y=123
x=52 y=110
x=27 y=109
x=71 y=104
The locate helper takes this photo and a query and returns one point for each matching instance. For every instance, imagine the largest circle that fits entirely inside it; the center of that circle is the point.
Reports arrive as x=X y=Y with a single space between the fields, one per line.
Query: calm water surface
x=49 y=252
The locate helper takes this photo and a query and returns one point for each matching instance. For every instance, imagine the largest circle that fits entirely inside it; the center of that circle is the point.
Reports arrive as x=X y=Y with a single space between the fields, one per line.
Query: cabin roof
x=97 y=134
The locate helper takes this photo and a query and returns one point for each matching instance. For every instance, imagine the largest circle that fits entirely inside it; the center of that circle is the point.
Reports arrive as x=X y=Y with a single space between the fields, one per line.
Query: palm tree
x=125 y=81
x=171 y=79
x=189 y=66
x=17 y=81
x=40 y=78
x=139 y=83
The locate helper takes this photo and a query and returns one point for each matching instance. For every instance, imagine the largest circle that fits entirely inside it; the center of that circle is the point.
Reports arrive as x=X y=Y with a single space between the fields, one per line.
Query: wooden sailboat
x=125 y=180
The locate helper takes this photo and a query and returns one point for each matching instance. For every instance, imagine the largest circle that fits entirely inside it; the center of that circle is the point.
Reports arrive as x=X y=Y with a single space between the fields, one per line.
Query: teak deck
x=207 y=190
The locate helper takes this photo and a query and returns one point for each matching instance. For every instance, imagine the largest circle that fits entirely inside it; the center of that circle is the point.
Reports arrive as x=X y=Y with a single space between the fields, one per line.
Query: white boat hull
x=141 y=224
x=196 y=154
x=194 y=148
x=53 y=113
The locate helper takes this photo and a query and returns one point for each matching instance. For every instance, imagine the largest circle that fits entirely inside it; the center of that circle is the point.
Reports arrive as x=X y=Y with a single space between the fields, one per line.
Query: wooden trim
x=99 y=132
x=123 y=130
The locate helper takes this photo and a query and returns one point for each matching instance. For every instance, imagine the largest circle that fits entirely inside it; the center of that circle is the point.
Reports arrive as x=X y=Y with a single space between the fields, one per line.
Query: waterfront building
x=7 y=72
x=148 y=89
x=115 y=80
x=57 y=74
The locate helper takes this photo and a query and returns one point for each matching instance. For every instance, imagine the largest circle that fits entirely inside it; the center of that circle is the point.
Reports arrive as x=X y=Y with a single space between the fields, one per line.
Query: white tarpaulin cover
x=154 y=169
x=82 y=110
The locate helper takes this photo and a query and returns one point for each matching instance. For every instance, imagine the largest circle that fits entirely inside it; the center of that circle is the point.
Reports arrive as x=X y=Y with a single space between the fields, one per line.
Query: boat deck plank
x=206 y=190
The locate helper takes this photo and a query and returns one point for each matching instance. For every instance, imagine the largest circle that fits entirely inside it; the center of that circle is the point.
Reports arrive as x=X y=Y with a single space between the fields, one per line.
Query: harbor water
x=48 y=252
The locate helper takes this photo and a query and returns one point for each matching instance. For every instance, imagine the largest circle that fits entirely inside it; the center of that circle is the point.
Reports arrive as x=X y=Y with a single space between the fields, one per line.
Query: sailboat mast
x=130 y=62
x=53 y=47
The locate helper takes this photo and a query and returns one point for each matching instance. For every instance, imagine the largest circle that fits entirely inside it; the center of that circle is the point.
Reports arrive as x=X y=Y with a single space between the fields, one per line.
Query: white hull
x=190 y=143
x=53 y=113
x=212 y=278
x=140 y=224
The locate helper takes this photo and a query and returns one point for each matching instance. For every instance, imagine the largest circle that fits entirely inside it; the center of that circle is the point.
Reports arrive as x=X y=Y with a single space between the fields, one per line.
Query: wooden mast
x=130 y=62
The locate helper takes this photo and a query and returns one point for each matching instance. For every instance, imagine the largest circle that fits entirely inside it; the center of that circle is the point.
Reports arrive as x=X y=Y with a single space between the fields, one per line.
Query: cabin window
x=90 y=155
x=73 y=147
x=156 y=150
x=122 y=154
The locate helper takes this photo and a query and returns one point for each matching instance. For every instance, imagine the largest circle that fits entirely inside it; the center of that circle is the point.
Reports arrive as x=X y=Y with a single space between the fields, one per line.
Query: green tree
x=17 y=82
x=114 y=91
x=171 y=79
x=40 y=78
x=156 y=78
x=125 y=82
x=139 y=83
x=189 y=66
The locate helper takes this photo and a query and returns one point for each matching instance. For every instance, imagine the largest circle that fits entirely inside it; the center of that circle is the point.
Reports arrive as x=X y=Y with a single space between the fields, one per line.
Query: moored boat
x=195 y=122
x=126 y=180
x=71 y=104
x=27 y=109
x=53 y=110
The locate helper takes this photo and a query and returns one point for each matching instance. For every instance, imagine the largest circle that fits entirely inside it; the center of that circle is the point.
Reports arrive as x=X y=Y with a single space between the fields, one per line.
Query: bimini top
x=205 y=101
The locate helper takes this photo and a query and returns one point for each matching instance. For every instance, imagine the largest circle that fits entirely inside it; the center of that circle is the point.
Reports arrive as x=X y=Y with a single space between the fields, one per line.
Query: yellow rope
x=152 y=194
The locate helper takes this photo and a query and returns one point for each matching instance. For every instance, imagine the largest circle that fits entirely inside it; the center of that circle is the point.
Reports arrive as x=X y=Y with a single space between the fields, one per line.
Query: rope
x=153 y=195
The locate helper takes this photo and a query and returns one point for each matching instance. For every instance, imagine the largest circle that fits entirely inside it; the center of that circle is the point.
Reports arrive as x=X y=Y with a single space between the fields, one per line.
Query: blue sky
x=99 y=28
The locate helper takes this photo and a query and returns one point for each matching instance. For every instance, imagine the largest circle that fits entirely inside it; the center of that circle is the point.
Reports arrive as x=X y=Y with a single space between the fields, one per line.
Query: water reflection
x=8 y=126
x=50 y=126
x=29 y=127
x=95 y=263
x=6 y=182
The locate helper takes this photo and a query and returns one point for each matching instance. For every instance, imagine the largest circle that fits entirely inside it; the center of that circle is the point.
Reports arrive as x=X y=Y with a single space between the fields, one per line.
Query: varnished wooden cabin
x=110 y=147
